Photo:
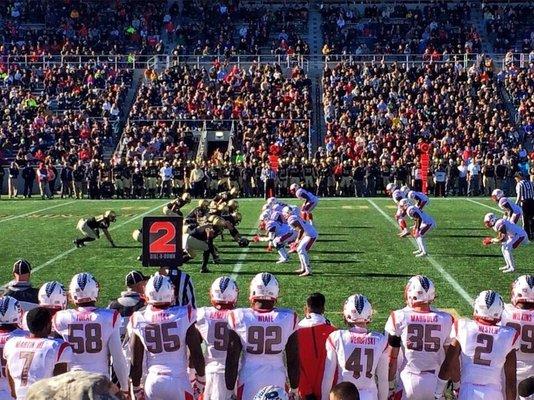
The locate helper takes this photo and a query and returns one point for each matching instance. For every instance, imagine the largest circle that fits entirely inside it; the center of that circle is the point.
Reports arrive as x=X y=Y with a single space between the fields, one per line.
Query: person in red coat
x=313 y=332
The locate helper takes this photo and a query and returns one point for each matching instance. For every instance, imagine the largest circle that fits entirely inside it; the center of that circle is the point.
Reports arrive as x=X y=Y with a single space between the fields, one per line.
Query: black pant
x=528 y=217
x=28 y=187
x=269 y=188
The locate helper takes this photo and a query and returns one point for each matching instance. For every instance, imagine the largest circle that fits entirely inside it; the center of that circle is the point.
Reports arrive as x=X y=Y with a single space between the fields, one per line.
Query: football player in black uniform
x=174 y=207
x=91 y=228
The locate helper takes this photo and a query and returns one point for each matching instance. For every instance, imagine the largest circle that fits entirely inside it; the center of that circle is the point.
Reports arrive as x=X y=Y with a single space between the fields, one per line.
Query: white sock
x=283 y=252
x=421 y=244
x=508 y=257
x=304 y=261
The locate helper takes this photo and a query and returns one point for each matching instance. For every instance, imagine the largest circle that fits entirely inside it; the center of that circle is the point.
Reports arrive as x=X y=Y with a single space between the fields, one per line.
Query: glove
x=415 y=232
x=256 y=239
x=293 y=247
x=294 y=394
x=269 y=248
x=486 y=241
x=139 y=393
x=199 y=384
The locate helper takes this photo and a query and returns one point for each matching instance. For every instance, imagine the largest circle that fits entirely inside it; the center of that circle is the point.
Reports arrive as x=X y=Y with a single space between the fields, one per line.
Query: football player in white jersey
x=420 y=199
x=10 y=318
x=280 y=235
x=422 y=332
x=520 y=316
x=262 y=334
x=93 y=332
x=486 y=352
x=400 y=216
x=512 y=211
x=423 y=224
x=52 y=295
x=306 y=237
x=310 y=201
x=357 y=354
x=213 y=326
x=509 y=235
x=163 y=334
x=34 y=356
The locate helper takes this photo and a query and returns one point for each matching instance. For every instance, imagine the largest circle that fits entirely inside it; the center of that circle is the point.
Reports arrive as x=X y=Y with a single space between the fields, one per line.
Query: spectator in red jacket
x=313 y=332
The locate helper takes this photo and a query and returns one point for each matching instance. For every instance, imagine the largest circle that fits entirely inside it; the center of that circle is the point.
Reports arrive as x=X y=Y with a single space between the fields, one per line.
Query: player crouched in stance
x=347 y=349
x=519 y=315
x=400 y=216
x=306 y=237
x=423 y=224
x=262 y=334
x=10 y=319
x=509 y=235
x=212 y=325
x=91 y=227
x=310 y=201
x=271 y=393
x=486 y=353
x=162 y=334
x=423 y=334
x=420 y=199
x=512 y=212
x=92 y=332
x=34 y=356
x=280 y=234
x=174 y=207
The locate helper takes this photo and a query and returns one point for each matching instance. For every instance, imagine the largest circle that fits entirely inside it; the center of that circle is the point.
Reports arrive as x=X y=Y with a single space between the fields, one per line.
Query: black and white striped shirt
x=183 y=288
x=524 y=190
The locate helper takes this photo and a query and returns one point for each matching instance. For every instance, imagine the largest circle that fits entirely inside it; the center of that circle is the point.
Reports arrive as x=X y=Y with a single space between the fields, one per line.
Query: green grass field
x=357 y=251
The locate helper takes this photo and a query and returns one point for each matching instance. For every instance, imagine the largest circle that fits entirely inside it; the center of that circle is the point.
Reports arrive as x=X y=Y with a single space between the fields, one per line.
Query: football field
x=358 y=251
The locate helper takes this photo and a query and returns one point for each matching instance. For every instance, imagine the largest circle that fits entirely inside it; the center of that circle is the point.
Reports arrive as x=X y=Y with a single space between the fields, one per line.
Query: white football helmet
x=271 y=201
x=137 y=235
x=111 y=215
x=357 y=309
x=497 y=194
x=404 y=203
x=287 y=211
x=264 y=286
x=159 y=290
x=488 y=306
x=294 y=187
x=405 y=189
x=489 y=220
x=270 y=226
x=53 y=295
x=224 y=291
x=83 y=288
x=411 y=195
x=419 y=290
x=397 y=196
x=391 y=187
x=523 y=290
x=10 y=311
x=271 y=393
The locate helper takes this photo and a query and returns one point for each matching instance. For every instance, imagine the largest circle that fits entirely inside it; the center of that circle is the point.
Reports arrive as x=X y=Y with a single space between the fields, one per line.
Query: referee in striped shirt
x=525 y=198
x=183 y=286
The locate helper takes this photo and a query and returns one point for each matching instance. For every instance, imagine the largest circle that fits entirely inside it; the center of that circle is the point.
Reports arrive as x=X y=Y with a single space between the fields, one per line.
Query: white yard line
x=483 y=205
x=35 y=212
x=241 y=258
x=448 y=277
x=73 y=249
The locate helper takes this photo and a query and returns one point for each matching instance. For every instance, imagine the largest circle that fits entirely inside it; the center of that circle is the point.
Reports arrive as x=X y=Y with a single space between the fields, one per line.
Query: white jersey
x=414 y=212
x=163 y=335
x=484 y=351
x=509 y=229
x=423 y=335
x=5 y=392
x=418 y=196
x=509 y=206
x=213 y=326
x=89 y=331
x=32 y=359
x=354 y=348
x=308 y=197
x=297 y=223
x=523 y=322
x=264 y=336
x=280 y=229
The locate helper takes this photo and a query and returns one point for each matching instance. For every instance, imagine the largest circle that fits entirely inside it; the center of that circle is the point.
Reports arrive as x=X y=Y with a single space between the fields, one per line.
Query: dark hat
x=519 y=175
x=135 y=277
x=22 y=267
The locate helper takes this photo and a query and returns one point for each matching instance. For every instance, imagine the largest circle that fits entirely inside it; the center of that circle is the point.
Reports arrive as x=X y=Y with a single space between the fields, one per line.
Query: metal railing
x=161 y=61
